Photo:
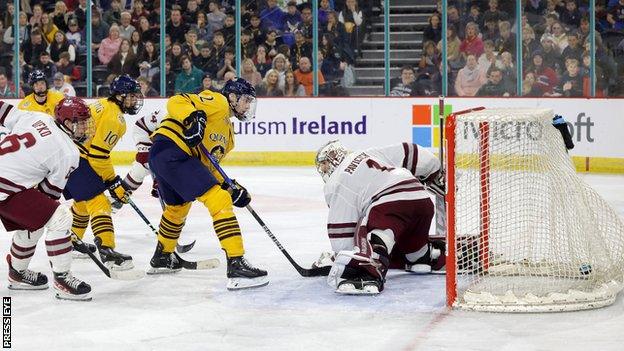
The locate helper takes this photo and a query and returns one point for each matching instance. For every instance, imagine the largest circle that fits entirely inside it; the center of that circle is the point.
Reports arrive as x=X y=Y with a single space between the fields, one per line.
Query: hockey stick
x=192 y=265
x=440 y=200
x=311 y=272
x=132 y=274
x=181 y=248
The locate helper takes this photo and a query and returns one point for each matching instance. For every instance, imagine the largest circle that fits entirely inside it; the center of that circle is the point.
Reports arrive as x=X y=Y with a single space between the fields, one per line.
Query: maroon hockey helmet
x=73 y=116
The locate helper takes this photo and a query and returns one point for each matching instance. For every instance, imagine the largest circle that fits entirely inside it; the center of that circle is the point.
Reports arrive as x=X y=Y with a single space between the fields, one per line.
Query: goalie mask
x=329 y=157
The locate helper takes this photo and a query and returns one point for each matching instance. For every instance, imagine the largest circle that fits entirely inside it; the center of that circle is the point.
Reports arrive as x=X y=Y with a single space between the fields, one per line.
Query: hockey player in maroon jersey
x=379 y=213
x=36 y=158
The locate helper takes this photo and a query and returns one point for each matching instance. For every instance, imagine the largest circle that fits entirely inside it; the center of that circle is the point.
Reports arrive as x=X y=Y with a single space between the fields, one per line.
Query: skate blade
x=419 y=269
x=126 y=265
x=157 y=270
x=64 y=296
x=350 y=289
x=247 y=283
x=24 y=286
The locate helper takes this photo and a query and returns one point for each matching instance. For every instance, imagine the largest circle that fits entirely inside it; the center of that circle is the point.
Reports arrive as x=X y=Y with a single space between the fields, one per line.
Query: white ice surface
x=194 y=311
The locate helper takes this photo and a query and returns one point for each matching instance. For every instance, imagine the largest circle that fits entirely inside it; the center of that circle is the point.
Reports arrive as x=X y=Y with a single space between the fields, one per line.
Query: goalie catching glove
x=118 y=190
x=195 y=125
x=240 y=195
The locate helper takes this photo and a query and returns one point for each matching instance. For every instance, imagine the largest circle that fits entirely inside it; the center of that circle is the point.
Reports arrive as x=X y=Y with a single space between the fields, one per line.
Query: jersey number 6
x=13 y=142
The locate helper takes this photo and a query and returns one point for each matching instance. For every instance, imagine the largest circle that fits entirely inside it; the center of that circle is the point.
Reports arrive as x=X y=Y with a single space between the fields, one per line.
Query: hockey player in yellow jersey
x=184 y=175
x=41 y=99
x=96 y=174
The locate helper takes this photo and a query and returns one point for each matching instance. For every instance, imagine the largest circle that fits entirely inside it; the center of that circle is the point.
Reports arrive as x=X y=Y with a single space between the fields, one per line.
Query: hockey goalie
x=379 y=214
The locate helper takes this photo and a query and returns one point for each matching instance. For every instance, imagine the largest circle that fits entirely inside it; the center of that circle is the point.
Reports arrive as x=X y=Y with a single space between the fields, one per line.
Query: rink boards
x=288 y=131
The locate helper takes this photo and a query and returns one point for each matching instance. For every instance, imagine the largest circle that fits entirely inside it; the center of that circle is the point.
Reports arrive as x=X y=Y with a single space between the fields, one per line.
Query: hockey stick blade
x=315 y=271
x=198 y=265
x=132 y=274
x=182 y=248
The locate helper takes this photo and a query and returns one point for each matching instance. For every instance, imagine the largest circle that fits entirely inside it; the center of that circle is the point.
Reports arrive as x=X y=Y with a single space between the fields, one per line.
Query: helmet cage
x=329 y=157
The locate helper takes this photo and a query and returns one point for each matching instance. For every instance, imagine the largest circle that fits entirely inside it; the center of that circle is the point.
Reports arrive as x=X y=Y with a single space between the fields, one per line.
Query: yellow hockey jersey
x=30 y=104
x=219 y=135
x=110 y=126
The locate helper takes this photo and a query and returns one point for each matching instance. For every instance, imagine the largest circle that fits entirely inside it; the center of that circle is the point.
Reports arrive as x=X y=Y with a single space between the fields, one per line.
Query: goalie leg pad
x=354 y=270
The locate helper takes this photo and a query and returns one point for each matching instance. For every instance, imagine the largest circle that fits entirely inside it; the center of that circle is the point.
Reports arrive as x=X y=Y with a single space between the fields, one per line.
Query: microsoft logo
x=426 y=124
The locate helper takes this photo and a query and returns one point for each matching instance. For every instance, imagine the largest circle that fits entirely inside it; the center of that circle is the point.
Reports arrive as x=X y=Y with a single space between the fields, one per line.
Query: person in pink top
x=470 y=78
x=472 y=44
x=109 y=45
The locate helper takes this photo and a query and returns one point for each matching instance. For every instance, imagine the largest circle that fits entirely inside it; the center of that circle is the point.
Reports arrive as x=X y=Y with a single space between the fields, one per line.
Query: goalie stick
x=192 y=265
x=304 y=272
x=132 y=274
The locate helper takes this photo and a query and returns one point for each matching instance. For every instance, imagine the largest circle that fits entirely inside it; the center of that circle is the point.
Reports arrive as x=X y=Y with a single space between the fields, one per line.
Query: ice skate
x=112 y=259
x=163 y=263
x=26 y=279
x=69 y=287
x=242 y=275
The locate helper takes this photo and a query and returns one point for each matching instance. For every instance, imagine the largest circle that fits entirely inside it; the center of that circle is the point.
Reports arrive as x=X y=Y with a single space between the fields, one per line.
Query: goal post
x=524 y=231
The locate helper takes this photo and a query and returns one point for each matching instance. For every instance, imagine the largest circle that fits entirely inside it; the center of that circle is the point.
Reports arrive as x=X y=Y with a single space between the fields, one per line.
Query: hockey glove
x=195 y=125
x=240 y=196
x=561 y=125
x=435 y=183
x=118 y=190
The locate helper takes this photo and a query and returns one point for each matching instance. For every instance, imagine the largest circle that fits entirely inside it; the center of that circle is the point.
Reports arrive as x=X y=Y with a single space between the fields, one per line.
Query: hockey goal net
x=525 y=233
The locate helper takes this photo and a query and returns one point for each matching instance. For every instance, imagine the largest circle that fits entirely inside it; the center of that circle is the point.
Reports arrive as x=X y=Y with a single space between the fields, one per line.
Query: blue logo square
x=421 y=136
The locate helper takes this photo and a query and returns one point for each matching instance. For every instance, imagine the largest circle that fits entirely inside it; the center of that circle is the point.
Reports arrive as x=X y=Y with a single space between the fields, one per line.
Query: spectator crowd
x=556 y=57
x=276 y=46
x=276 y=43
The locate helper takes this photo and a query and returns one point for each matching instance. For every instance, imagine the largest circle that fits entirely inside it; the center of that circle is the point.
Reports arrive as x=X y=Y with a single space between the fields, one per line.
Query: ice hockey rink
x=192 y=310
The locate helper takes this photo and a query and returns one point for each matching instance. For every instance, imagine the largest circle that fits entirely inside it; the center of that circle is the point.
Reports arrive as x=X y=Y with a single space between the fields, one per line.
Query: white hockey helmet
x=329 y=157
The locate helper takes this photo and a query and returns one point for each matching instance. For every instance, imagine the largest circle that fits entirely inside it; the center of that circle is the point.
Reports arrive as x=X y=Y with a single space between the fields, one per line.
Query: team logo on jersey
x=426 y=124
x=218 y=152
